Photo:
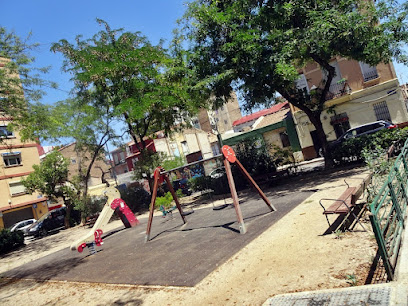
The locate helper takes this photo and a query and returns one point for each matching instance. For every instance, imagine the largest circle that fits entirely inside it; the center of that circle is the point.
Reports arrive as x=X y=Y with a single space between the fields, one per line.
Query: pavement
x=392 y=293
x=207 y=240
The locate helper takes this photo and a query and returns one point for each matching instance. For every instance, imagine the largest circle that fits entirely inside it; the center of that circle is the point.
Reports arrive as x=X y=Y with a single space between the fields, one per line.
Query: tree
x=51 y=179
x=257 y=47
x=89 y=127
x=20 y=82
x=141 y=82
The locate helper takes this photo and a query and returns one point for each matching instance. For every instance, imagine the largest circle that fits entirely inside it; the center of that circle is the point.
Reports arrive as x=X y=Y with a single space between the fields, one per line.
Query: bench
x=345 y=204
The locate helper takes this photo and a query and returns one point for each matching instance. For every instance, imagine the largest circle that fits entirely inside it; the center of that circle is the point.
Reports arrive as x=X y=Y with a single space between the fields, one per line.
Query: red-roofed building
x=245 y=123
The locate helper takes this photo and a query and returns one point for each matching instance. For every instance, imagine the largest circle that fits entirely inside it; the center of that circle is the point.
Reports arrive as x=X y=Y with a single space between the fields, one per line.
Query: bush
x=94 y=205
x=351 y=149
x=10 y=240
x=136 y=198
x=164 y=201
x=255 y=159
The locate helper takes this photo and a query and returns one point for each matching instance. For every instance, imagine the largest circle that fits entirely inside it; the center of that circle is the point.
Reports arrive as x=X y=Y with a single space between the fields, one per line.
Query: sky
x=49 y=21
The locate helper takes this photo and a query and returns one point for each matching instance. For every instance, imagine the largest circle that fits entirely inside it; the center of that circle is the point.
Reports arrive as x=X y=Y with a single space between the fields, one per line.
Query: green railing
x=388 y=211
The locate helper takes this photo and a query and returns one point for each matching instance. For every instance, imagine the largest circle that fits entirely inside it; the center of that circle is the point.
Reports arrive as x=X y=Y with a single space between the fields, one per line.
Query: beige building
x=17 y=162
x=220 y=119
x=358 y=94
x=100 y=165
x=189 y=142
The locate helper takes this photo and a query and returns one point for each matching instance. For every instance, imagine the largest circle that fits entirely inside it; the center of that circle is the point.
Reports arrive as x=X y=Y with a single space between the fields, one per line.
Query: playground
x=207 y=260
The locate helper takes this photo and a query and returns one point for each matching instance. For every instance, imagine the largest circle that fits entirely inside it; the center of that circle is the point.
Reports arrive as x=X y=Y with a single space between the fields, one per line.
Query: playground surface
x=210 y=261
x=176 y=255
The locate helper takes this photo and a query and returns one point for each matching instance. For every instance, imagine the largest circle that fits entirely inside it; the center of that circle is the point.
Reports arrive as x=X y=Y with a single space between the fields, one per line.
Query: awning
x=10 y=153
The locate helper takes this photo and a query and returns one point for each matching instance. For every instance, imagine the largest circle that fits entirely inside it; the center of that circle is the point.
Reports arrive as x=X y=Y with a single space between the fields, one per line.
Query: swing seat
x=186 y=213
x=220 y=207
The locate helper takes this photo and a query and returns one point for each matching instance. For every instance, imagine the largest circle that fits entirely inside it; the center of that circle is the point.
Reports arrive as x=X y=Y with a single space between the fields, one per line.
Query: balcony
x=337 y=90
x=370 y=75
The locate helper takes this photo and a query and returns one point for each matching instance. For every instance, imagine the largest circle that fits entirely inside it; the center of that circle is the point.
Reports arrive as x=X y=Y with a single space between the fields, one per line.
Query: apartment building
x=17 y=162
x=220 y=120
x=359 y=93
x=100 y=167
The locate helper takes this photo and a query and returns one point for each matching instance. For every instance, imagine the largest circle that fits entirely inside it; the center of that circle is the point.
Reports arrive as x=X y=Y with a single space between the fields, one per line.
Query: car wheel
x=43 y=232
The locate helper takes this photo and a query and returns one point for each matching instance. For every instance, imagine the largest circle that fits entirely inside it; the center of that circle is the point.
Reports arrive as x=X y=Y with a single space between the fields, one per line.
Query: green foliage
x=148 y=161
x=10 y=240
x=91 y=206
x=258 y=47
x=282 y=156
x=200 y=183
x=20 y=81
x=354 y=149
x=136 y=198
x=136 y=81
x=49 y=177
x=179 y=193
x=255 y=157
x=164 y=201
x=174 y=162
x=351 y=279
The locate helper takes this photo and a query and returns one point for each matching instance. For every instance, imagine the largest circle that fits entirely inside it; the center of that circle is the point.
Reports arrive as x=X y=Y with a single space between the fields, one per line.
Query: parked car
x=51 y=221
x=358 y=131
x=22 y=225
x=217 y=173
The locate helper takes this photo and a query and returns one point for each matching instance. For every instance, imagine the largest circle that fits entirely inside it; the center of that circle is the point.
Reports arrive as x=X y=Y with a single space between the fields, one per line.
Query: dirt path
x=292 y=255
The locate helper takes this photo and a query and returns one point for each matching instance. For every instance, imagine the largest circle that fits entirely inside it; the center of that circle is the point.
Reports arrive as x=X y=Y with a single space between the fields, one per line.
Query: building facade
x=220 y=120
x=359 y=93
x=100 y=166
x=17 y=160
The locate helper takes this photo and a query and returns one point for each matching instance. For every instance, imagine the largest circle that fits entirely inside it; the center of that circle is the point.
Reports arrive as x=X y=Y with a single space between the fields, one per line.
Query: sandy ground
x=291 y=256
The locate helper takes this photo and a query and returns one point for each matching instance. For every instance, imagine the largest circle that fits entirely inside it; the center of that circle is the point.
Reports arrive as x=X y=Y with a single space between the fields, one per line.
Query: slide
x=114 y=203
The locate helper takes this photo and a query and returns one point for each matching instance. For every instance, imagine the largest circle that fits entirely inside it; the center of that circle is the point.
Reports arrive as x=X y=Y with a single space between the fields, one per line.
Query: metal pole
x=153 y=201
x=175 y=198
x=242 y=227
x=255 y=185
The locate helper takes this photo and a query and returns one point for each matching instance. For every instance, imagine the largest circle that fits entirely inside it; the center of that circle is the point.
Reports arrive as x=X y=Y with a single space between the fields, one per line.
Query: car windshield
x=43 y=217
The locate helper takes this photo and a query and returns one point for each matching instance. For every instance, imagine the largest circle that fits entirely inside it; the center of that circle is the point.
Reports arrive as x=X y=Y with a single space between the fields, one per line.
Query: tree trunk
x=68 y=215
x=316 y=121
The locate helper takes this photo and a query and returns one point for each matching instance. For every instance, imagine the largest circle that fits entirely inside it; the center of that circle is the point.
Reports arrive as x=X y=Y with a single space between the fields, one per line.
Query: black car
x=50 y=221
x=358 y=131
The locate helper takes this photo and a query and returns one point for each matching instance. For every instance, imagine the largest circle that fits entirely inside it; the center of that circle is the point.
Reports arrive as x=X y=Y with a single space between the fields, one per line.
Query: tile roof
x=263 y=112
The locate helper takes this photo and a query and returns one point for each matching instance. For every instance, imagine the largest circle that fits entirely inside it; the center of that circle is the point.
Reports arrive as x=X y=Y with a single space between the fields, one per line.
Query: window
x=381 y=111
x=369 y=72
x=215 y=149
x=340 y=123
x=337 y=75
x=184 y=146
x=285 y=139
x=12 y=159
x=195 y=123
x=4 y=132
x=17 y=188
x=301 y=83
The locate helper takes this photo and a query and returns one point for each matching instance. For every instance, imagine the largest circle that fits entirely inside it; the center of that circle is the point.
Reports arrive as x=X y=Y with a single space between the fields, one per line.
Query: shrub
x=10 y=240
x=255 y=159
x=136 y=197
x=200 y=183
x=164 y=201
x=351 y=149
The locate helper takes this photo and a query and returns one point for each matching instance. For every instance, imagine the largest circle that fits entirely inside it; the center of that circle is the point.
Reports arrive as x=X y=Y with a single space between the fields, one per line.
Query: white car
x=22 y=225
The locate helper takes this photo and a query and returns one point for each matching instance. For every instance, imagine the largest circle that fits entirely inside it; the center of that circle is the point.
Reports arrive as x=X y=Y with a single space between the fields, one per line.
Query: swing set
x=229 y=157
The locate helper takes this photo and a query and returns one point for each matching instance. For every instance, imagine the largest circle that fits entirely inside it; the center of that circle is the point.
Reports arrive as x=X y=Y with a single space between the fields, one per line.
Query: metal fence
x=388 y=211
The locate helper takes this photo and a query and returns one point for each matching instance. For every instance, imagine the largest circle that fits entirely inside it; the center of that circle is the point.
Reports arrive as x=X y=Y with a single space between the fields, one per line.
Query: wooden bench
x=345 y=204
